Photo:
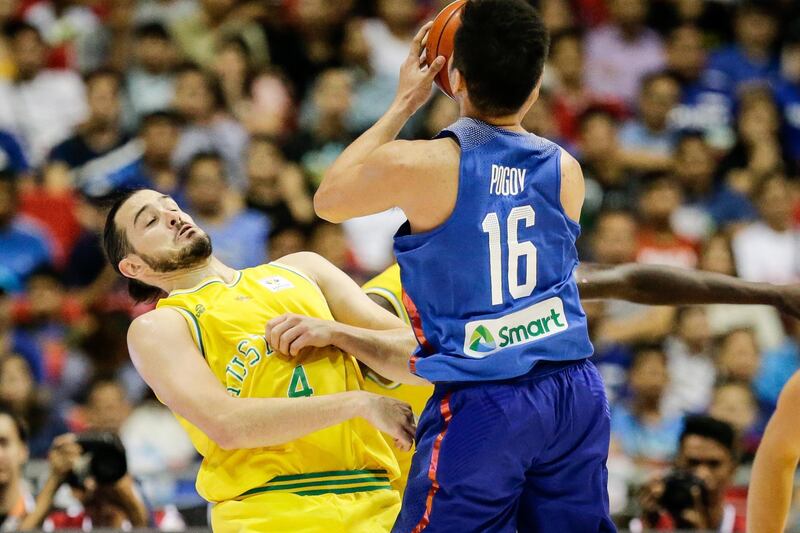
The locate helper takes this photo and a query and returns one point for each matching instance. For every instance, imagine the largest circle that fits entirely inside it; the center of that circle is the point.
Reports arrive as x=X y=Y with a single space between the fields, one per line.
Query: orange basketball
x=441 y=39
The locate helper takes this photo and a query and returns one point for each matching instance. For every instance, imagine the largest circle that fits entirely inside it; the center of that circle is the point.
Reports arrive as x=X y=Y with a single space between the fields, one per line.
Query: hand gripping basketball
x=441 y=40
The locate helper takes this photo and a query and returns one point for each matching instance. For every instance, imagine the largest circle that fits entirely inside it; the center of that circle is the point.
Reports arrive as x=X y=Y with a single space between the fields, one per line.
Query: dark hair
x=212 y=83
x=613 y=212
x=654 y=179
x=45 y=270
x=117 y=246
x=236 y=41
x=761 y=186
x=9 y=177
x=709 y=428
x=595 y=111
x=163 y=115
x=652 y=77
x=103 y=72
x=14 y=28
x=687 y=136
x=682 y=311
x=755 y=7
x=575 y=34
x=200 y=157
x=152 y=30
x=644 y=351
x=98 y=381
x=500 y=49
x=19 y=423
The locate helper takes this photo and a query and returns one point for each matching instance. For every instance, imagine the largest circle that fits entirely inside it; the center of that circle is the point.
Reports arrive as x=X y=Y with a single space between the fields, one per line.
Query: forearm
x=258 y=422
x=342 y=176
x=44 y=502
x=134 y=507
x=770 y=493
x=661 y=285
x=385 y=351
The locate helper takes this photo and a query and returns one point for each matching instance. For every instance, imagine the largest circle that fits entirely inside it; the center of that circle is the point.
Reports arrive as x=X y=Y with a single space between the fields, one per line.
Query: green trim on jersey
x=198 y=334
x=206 y=283
x=312 y=484
x=399 y=308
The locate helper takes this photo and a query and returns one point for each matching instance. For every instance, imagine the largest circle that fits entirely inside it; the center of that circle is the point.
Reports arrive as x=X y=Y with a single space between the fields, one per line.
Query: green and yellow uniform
x=387 y=285
x=334 y=480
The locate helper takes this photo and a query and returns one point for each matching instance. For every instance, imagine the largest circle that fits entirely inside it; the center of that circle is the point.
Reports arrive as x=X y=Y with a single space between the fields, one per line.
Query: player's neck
x=507 y=122
x=187 y=278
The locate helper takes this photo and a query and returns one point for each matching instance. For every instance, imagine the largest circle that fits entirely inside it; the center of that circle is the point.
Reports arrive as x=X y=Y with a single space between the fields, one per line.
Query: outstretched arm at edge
x=772 y=478
x=662 y=285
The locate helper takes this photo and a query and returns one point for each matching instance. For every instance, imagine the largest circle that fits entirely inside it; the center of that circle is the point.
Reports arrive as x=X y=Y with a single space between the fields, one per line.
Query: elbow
x=326 y=206
x=222 y=431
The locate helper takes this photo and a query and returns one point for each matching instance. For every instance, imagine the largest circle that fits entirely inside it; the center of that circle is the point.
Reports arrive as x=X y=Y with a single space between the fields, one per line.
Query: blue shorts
x=526 y=455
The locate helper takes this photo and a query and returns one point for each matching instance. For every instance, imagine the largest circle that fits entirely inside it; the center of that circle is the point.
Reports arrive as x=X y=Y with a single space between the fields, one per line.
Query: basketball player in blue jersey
x=515 y=437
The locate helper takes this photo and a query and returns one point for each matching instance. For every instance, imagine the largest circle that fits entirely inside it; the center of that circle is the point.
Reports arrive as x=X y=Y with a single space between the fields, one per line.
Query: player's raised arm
x=663 y=285
x=362 y=328
x=364 y=179
x=166 y=357
x=772 y=478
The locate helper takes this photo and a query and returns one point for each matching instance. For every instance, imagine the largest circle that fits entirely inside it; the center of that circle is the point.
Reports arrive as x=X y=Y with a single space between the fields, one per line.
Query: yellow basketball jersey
x=387 y=285
x=227 y=322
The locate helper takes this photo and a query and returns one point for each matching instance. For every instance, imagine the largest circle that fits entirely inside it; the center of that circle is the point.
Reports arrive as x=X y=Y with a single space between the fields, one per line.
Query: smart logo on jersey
x=522 y=327
x=482 y=341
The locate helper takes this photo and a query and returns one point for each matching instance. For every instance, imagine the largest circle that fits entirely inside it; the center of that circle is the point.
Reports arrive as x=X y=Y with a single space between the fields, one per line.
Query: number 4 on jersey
x=516 y=250
x=299 y=386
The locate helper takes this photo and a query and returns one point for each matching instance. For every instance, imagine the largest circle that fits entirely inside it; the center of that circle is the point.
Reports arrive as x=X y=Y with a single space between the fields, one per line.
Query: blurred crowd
x=685 y=115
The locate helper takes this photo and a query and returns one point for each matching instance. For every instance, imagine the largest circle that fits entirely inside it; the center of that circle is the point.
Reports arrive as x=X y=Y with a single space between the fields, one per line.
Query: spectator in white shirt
x=209 y=126
x=769 y=250
x=41 y=107
x=690 y=363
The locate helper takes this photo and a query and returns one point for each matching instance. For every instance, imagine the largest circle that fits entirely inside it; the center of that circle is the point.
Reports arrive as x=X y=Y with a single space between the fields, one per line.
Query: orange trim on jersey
x=444 y=408
x=416 y=324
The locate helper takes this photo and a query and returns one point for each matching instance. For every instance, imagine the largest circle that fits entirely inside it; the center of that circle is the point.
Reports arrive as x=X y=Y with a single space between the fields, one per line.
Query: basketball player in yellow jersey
x=288 y=444
x=385 y=290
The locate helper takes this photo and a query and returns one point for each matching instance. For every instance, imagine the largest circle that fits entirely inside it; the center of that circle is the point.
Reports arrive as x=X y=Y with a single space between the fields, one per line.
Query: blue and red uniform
x=516 y=435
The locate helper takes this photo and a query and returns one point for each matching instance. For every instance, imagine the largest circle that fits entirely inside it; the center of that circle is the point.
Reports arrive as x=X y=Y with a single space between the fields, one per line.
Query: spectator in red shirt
x=657 y=242
x=571 y=97
x=706 y=462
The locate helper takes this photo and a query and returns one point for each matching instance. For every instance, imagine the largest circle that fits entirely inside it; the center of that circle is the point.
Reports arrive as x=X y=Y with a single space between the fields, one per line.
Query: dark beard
x=198 y=250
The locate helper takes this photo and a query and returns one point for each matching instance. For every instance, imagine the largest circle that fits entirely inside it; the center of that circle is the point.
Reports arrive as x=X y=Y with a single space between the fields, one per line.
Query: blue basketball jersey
x=491 y=291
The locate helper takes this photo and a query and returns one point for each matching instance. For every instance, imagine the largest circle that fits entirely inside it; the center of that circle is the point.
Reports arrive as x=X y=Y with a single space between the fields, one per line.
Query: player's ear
x=532 y=98
x=131 y=266
x=457 y=83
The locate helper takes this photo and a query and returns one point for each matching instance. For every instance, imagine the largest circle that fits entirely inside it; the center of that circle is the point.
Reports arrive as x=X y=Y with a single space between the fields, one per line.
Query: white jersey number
x=516 y=249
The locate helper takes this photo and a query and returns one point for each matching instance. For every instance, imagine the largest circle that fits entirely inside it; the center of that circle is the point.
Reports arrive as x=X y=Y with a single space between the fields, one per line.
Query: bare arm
x=357 y=184
x=573 y=188
x=362 y=328
x=662 y=285
x=776 y=461
x=168 y=360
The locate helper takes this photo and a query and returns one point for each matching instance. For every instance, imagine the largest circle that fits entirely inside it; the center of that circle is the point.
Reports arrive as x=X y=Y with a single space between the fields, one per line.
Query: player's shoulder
x=419 y=154
x=155 y=321
x=309 y=265
x=569 y=165
x=161 y=325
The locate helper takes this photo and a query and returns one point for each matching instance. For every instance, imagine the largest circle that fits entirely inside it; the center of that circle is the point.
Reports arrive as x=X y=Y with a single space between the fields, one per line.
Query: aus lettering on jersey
x=250 y=352
x=507 y=181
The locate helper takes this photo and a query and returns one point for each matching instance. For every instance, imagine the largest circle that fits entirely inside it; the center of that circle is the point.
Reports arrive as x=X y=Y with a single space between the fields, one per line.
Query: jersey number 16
x=516 y=250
